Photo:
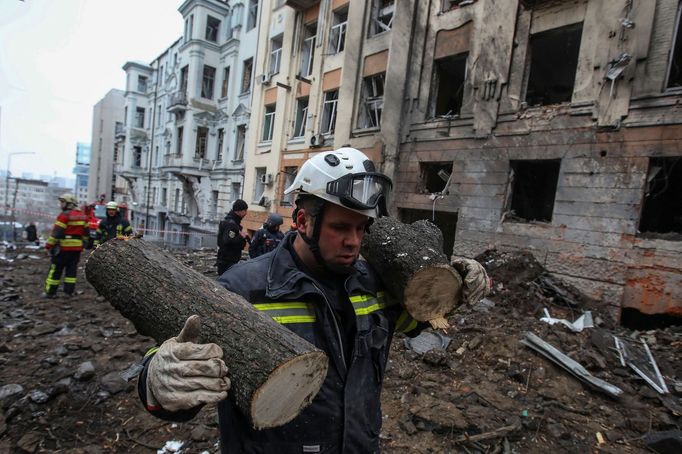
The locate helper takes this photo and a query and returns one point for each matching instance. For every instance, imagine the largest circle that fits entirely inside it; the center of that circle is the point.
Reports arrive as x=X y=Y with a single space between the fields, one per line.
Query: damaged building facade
x=552 y=126
x=181 y=150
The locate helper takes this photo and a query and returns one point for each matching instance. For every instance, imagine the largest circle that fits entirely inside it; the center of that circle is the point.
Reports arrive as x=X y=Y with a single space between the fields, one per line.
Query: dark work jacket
x=31 y=233
x=112 y=227
x=230 y=242
x=264 y=241
x=345 y=416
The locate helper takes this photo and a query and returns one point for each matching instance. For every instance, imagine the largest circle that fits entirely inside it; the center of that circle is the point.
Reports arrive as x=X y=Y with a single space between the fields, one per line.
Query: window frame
x=328 y=124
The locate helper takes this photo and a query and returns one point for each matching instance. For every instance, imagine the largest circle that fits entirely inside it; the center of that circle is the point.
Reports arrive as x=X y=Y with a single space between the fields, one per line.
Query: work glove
x=476 y=283
x=183 y=374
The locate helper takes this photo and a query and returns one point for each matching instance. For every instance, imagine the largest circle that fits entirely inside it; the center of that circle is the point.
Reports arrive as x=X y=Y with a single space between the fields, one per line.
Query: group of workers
x=311 y=281
x=70 y=235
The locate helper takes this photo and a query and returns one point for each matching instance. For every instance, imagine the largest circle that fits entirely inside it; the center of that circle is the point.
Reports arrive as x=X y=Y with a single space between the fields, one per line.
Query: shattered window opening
x=553 y=57
x=268 y=123
x=275 y=54
x=202 y=139
x=675 y=66
x=662 y=204
x=208 y=82
x=533 y=189
x=239 y=147
x=329 y=112
x=308 y=50
x=212 y=27
x=450 y=76
x=372 y=101
x=434 y=176
x=137 y=156
x=246 y=75
x=382 y=16
x=139 y=117
x=301 y=117
x=178 y=148
x=337 y=35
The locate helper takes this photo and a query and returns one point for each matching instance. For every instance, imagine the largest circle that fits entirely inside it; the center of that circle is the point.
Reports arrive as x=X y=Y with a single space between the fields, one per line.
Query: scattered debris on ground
x=474 y=388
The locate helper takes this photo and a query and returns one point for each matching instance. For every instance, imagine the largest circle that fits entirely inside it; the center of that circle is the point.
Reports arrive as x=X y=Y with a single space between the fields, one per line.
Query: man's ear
x=301 y=221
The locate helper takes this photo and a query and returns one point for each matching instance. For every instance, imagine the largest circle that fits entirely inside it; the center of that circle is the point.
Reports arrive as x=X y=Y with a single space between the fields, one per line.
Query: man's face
x=111 y=213
x=241 y=213
x=340 y=236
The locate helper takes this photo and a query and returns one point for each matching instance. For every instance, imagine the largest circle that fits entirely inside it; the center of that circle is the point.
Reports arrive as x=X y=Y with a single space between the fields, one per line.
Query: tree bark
x=274 y=372
x=414 y=269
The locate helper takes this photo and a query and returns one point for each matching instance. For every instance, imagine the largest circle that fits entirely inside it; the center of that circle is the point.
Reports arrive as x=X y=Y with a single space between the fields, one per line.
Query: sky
x=58 y=58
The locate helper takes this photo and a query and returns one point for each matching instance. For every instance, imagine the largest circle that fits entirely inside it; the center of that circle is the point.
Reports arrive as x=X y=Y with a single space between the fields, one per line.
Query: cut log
x=274 y=372
x=414 y=269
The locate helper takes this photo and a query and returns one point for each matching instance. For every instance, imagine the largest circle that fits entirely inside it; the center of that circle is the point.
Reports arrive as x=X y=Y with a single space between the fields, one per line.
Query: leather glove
x=476 y=283
x=183 y=374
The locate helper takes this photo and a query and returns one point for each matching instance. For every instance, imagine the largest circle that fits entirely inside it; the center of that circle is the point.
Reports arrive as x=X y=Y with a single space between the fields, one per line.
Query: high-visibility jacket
x=112 y=227
x=345 y=416
x=69 y=231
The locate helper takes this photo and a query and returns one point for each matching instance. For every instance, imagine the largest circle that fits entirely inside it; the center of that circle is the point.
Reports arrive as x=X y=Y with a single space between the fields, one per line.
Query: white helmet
x=344 y=177
x=112 y=205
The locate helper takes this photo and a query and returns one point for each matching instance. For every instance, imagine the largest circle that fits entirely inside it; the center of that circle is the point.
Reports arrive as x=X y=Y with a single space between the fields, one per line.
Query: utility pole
x=151 y=147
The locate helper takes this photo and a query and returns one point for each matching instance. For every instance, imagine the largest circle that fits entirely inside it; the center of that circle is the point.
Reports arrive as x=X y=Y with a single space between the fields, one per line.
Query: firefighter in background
x=65 y=245
x=268 y=237
x=113 y=226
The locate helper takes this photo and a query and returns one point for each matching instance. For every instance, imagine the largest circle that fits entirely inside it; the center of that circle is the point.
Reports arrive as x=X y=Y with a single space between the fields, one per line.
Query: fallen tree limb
x=274 y=372
x=410 y=260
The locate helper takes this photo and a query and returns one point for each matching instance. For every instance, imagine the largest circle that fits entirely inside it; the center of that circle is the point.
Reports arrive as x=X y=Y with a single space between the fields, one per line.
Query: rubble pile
x=472 y=388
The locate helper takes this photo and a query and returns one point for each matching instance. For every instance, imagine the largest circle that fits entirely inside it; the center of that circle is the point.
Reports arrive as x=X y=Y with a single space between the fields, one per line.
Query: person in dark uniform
x=315 y=285
x=231 y=237
x=113 y=226
x=32 y=233
x=268 y=237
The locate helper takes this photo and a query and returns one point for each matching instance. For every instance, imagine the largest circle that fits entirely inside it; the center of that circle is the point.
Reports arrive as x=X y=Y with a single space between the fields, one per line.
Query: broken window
x=435 y=175
x=533 y=189
x=449 y=78
x=212 y=28
x=253 y=15
x=184 y=72
x=137 y=156
x=337 y=35
x=202 y=138
x=275 y=54
x=289 y=176
x=208 y=82
x=236 y=191
x=329 y=112
x=239 y=148
x=178 y=144
x=139 y=117
x=445 y=221
x=259 y=186
x=553 y=57
x=219 y=148
x=268 y=123
x=176 y=200
x=164 y=196
x=308 y=50
x=246 y=75
x=381 y=18
x=662 y=210
x=372 y=101
x=226 y=82
x=675 y=66
x=301 y=117
x=142 y=84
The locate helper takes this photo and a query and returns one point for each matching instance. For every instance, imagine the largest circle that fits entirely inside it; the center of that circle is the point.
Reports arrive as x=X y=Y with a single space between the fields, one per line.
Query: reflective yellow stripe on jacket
x=285 y=312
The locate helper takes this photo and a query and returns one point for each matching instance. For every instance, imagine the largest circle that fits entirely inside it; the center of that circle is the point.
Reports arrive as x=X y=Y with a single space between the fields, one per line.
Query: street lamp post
x=9 y=161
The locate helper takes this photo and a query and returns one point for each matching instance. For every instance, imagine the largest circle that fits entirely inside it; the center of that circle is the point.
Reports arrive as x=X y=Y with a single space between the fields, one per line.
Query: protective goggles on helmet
x=361 y=191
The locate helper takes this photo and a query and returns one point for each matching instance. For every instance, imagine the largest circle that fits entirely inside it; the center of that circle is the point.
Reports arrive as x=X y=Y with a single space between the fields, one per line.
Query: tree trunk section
x=274 y=372
x=414 y=269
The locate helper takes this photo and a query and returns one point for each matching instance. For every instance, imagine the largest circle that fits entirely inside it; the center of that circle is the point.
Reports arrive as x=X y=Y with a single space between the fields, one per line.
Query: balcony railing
x=172 y=160
x=178 y=102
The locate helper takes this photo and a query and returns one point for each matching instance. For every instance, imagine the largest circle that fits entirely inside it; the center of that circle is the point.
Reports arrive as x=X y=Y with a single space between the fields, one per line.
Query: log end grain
x=289 y=388
x=432 y=292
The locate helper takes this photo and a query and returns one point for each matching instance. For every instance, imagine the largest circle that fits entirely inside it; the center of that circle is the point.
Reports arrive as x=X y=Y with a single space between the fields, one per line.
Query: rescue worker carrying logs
x=113 y=226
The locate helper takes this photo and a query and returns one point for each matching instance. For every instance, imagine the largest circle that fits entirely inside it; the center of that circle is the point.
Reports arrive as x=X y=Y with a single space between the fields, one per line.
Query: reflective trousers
x=65 y=260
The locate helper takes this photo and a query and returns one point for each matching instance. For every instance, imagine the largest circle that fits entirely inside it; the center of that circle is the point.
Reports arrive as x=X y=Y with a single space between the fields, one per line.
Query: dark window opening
x=553 y=59
x=675 y=70
x=202 y=139
x=137 y=156
x=435 y=176
x=446 y=222
x=533 y=191
x=246 y=75
x=662 y=211
x=636 y=320
x=449 y=81
x=208 y=82
x=212 y=27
